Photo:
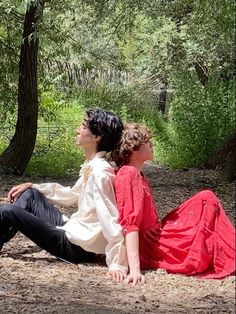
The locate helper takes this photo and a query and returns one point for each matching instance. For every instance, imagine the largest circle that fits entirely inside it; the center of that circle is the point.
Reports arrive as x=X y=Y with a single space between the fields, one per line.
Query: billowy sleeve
x=130 y=198
x=59 y=194
x=107 y=213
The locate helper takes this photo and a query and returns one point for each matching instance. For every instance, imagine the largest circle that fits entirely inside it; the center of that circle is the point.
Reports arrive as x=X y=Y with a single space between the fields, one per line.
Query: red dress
x=196 y=238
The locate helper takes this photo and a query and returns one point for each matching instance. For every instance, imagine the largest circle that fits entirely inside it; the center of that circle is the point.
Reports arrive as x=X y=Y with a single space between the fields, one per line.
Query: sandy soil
x=32 y=281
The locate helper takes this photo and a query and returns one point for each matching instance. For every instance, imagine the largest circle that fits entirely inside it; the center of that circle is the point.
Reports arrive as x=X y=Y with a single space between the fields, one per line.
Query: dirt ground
x=32 y=281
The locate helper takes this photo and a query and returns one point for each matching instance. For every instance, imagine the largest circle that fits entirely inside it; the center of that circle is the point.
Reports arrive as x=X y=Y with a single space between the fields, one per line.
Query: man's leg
x=36 y=203
x=48 y=237
x=7 y=231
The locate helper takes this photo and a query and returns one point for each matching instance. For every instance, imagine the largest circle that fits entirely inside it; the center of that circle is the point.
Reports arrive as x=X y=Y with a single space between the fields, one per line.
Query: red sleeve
x=129 y=196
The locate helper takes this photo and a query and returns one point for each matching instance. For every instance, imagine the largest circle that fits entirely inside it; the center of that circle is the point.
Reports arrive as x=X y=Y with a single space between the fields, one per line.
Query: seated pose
x=94 y=228
x=196 y=238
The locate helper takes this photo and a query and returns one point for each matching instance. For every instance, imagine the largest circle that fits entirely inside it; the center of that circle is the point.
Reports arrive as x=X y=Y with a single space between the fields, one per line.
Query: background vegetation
x=169 y=64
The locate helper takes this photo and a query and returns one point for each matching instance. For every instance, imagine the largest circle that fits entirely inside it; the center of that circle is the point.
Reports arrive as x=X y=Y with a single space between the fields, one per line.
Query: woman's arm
x=132 y=245
x=130 y=202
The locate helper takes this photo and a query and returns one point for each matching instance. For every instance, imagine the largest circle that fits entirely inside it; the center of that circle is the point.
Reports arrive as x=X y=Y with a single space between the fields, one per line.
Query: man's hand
x=116 y=275
x=16 y=191
x=135 y=279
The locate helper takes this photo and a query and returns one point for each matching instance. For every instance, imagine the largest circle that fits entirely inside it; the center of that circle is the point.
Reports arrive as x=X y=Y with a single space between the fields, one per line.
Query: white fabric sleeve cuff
x=117 y=267
x=35 y=186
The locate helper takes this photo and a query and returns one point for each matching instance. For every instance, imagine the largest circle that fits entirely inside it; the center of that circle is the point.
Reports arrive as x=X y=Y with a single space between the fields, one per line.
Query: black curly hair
x=107 y=125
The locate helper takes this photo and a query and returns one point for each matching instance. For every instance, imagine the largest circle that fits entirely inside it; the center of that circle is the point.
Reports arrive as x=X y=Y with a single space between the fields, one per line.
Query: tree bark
x=17 y=155
x=202 y=70
x=224 y=159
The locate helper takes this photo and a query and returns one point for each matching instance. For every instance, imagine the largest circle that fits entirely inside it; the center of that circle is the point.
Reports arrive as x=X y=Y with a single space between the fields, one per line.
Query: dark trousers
x=37 y=219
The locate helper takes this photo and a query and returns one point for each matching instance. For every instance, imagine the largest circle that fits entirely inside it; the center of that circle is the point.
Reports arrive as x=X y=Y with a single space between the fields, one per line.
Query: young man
x=93 y=229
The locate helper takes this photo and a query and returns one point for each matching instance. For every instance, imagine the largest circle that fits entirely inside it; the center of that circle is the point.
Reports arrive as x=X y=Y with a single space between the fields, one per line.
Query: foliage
x=182 y=47
x=55 y=151
x=197 y=127
x=9 y=47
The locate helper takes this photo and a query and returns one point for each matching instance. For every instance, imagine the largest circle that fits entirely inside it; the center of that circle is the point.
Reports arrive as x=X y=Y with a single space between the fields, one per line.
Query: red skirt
x=196 y=238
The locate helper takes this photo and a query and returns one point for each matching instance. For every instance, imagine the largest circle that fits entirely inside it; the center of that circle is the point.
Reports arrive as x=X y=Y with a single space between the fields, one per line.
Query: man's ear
x=97 y=138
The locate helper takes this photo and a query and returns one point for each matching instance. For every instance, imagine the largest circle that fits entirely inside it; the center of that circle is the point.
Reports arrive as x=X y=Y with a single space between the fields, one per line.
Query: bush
x=55 y=151
x=199 y=119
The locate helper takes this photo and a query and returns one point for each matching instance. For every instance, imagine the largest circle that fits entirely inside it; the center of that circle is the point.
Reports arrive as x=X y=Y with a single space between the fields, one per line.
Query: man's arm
x=57 y=193
x=16 y=191
x=107 y=213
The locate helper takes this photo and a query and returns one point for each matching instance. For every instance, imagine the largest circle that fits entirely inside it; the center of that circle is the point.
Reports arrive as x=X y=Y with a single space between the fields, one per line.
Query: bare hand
x=135 y=278
x=116 y=275
x=16 y=191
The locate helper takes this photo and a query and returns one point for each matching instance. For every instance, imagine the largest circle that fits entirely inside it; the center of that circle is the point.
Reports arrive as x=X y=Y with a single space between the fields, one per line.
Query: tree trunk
x=202 y=70
x=17 y=155
x=225 y=159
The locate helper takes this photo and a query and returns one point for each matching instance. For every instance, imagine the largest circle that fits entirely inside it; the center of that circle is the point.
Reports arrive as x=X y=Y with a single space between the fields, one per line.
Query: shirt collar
x=86 y=169
x=99 y=155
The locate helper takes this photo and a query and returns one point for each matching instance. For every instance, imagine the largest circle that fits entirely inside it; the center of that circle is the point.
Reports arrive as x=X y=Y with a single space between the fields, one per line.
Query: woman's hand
x=16 y=191
x=116 y=275
x=135 y=279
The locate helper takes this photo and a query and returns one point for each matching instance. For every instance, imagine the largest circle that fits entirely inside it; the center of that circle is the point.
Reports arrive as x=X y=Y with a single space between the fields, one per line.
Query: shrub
x=55 y=151
x=199 y=119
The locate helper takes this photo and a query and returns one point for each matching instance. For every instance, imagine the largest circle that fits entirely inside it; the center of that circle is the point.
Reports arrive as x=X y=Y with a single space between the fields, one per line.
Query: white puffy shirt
x=94 y=226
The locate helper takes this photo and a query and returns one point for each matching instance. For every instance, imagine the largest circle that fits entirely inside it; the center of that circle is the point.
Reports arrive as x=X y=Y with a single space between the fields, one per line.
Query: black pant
x=37 y=219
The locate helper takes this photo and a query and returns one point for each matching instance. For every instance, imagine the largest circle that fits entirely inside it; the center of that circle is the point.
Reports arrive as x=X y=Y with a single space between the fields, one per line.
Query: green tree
x=18 y=153
x=180 y=54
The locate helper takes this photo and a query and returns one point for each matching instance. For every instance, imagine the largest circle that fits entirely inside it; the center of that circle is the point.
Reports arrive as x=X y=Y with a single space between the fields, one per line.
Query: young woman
x=196 y=238
x=93 y=229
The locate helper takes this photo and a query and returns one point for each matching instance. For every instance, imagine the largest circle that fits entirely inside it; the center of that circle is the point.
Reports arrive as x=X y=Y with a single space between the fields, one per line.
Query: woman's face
x=84 y=137
x=145 y=152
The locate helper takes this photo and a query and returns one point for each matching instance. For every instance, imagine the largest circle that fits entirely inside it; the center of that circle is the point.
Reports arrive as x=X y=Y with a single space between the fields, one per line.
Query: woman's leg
x=45 y=235
x=197 y=237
